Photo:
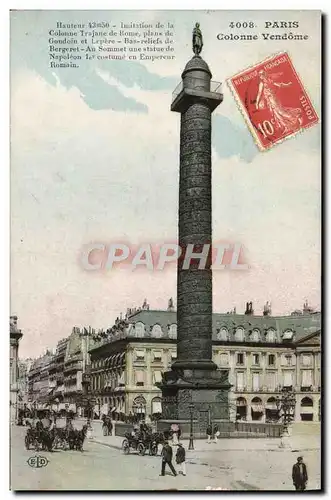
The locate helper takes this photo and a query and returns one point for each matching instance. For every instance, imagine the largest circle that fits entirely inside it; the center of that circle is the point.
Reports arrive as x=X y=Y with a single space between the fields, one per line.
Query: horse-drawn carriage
x=39 y=439
x=56 y=438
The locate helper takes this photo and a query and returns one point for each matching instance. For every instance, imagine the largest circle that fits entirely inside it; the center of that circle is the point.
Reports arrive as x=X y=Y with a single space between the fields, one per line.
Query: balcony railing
x=197 y=84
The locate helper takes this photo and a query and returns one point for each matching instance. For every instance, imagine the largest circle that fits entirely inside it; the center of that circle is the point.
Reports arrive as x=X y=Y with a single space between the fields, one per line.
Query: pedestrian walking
x=174 y=429
x=167 y=459
x=180 y=459
x=209 y=433
x=300 y=475
x=216 y=433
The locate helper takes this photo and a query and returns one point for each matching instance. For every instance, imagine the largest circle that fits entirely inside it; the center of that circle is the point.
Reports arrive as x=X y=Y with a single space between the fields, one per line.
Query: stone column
x=194 y=378
x=194 y=286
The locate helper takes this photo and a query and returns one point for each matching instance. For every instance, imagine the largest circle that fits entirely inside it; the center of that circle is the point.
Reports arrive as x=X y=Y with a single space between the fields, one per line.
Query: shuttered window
x=140 y=377
x=240 y=381
x=157 y=377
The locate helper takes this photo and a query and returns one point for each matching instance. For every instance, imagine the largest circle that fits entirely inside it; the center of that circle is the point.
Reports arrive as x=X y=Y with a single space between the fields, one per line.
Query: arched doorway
x=139 y=407
x=257 y=409
x=241 y=408
x=306 y=409
x=271 y=411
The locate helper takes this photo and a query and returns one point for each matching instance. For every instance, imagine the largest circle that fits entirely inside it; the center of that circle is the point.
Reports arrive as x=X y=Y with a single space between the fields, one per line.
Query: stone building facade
x=263 y=354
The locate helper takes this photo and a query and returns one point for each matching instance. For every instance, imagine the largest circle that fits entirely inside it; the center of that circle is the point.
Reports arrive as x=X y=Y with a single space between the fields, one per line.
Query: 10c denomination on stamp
x=273 y=100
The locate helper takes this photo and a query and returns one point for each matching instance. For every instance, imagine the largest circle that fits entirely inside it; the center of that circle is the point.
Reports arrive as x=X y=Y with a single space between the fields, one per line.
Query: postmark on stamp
x=273 y=100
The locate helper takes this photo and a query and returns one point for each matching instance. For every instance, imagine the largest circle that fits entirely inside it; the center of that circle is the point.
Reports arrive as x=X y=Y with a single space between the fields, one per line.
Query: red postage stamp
x=273 y=100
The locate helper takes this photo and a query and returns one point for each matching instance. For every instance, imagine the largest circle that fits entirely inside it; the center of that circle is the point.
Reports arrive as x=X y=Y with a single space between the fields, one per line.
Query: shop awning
x=257 y=408
x=271 y=406
x=306 y=409
x=156 y=407
x=157 y=377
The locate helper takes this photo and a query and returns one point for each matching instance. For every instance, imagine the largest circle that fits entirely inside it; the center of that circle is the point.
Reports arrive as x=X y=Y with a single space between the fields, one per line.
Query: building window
x=256 y=359
x=239 y=335
x=224 y=359
x=140 y=378
x=288 y=359
x=140 y=355
x=271 y=360
x=306 y=409
x=307 y=378
x=306 y=360
x=288 y=379
x=255 y=336
x=139 y=329
x=172 y=331
x=256 y=381
x=222 y=334
x=139 y=407
x=270 y=381
x=157 y=377
x=157 y=331
x=240 y=381
x=240 y=358
x=271 y=336
x=288 y=335
x=157 y=355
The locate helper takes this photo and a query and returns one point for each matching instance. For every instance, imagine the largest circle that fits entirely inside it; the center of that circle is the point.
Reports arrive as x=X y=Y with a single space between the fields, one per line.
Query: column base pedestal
x=207 y=390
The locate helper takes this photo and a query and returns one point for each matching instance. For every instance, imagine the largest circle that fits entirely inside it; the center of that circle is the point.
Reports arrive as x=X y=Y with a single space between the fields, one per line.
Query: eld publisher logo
x=38 y=462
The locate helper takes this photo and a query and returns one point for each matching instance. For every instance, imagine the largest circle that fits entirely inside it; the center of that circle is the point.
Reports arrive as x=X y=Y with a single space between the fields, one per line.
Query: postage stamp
x=273 y=100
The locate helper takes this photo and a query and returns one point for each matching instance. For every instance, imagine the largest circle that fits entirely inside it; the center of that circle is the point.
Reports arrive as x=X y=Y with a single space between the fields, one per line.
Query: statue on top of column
x=197 y=41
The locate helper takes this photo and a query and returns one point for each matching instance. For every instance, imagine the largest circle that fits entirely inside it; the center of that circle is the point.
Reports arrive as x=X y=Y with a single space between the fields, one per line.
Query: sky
x=95 y=158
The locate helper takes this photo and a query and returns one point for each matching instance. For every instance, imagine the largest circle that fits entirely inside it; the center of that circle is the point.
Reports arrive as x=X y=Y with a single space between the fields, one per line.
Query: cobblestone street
x=230 y=464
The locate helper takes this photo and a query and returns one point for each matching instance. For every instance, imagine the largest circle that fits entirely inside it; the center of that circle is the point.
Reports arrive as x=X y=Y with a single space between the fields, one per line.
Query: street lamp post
x=191 y=444
x=286 y=406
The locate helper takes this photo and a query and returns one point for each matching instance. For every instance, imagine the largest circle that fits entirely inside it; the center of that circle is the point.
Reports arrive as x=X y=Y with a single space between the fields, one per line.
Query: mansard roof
x=301 y=325
x=286 y=329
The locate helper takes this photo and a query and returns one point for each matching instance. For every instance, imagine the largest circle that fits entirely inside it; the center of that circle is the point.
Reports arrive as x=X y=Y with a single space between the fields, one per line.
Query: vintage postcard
x=165 y=324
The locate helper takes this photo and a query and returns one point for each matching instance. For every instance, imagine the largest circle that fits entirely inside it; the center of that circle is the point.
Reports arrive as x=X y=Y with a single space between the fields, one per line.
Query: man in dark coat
x=167 y=459
x=299 y=475
x=180 y=458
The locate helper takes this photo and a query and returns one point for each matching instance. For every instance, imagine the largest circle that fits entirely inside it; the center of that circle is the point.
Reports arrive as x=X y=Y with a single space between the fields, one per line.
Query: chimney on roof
x=171 y=304
x=145 y=306
x=267 y=309
x=249 y=308
x=307 y=309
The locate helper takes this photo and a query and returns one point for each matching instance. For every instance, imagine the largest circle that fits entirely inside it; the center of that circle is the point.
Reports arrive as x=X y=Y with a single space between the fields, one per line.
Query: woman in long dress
x=288 y=119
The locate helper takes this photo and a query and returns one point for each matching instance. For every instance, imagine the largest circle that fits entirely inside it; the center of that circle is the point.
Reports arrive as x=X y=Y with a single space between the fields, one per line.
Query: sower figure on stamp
x=300 y=475
x=197 y=40
x=167 y=459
